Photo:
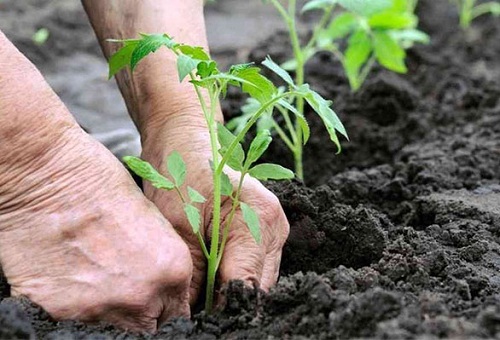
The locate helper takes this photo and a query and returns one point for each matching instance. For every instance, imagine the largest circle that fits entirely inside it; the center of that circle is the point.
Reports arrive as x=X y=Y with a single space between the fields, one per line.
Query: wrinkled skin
x=77 y=236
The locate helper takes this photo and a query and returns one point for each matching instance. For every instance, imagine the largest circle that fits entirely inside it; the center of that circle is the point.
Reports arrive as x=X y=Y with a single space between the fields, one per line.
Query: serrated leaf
x=236 y=69
x=206 y=68
x=359 y=49
x=366 y=7
x=269 y=171
x=392 y=20
x=194 y=217
x=146 y=171
x=270 y=64
x=195 y=52
x=176 y=168
x=256 y=85
x=327 y=115
x=389 y=54
x=235 y=160
x=258 y=146
x=226 y=185
x=195 y=196
x=150 y=43
x=252 y=221
x=122 y=57
x=185 y=64
x=318 y=4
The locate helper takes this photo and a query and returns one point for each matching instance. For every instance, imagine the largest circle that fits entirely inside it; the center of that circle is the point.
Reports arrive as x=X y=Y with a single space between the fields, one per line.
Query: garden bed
x=397 y=237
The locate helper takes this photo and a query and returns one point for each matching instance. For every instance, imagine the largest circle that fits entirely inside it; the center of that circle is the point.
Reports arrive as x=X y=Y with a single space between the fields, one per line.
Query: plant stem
x=289 y=18
x=321 y=25
x=288 y=122
x=466 y=13
x=229 y=221
x=299 y=80
x=283 y=136
x=214 y=245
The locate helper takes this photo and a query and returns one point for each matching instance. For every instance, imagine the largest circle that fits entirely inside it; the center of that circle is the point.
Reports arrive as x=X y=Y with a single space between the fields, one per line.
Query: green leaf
x=237 y=68
x=318 y=4
x=252 y=220
x=194 y=217
x=226 y=185
x=177 y=168
x=389 y=54
x=195 y=196
x=327 y=115
x=225 y=137
x=393 y=20
x=185 y=64
x=406 y=38
x=258 y=146
x=269 y=171
x=256 y=85
x=150 y=43
x=206 y=68
x=195 y=52
x=341 y=26
x=359 y=49
x=365 y=7
x=122 y=57
x=270 y=64
x=146 y=171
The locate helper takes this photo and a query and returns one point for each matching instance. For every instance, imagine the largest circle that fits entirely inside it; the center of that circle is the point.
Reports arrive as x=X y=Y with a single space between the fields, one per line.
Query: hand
x=78 y=238
x=243 y=258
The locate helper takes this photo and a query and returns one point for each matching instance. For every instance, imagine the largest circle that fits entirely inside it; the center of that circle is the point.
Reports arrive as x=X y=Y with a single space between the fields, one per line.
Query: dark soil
x=398 y=237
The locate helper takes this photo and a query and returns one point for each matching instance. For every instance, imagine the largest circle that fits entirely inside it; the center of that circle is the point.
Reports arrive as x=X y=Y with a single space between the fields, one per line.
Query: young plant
x=227 y=151
x=468 y=10
x=373 y=31
x=376 y=30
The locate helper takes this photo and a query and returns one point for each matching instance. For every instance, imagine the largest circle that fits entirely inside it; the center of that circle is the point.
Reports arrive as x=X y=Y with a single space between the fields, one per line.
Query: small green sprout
x=40 y=36
x=468 y=10
x=227 y=150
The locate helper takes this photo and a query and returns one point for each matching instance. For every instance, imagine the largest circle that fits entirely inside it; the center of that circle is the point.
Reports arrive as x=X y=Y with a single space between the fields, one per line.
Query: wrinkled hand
x=78 y=238
x=243 y=258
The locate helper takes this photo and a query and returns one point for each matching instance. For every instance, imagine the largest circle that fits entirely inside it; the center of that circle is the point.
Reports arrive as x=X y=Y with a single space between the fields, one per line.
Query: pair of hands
x=78 y=238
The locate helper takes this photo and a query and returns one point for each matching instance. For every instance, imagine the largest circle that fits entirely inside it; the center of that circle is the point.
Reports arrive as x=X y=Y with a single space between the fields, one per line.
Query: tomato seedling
x=227 y=150
x=468 y=10
x=373 y=31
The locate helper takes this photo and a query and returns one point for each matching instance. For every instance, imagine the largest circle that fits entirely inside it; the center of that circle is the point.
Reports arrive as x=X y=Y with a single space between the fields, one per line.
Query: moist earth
x=396 y=237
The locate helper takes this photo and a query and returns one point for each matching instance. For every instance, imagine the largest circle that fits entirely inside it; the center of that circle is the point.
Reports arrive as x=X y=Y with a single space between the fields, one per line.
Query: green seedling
x=359 y=33
x=210 y=85
x=375 y=30
x=469 y=10
x=41 y=36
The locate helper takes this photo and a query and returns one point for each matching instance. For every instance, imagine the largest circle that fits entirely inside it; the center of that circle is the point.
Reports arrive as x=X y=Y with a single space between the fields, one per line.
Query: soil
x=397 y=237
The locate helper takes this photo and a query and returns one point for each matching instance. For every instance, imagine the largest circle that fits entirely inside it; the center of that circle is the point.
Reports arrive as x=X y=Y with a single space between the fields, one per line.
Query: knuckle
x=275 y=222
x=174 y=271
